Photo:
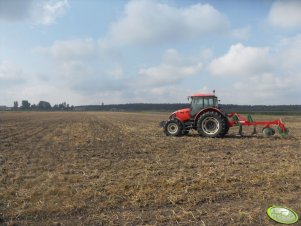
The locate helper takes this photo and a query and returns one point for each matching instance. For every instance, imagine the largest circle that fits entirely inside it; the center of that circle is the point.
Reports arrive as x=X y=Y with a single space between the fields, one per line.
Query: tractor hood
x=182 y=114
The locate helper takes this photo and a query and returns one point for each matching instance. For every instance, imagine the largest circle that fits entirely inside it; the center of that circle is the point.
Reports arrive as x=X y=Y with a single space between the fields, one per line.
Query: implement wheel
x=173 y=128
x=267 y=132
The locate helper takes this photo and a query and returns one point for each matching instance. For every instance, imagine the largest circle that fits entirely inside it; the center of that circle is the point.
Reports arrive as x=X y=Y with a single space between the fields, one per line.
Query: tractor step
x=189 y=125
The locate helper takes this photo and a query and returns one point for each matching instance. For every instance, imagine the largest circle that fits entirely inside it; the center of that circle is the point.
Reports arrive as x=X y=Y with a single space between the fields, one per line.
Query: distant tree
x=33 y=107
x=55 y=107
x=63 y=106
x=16 y=104
x=25 y=105
x=44 y=105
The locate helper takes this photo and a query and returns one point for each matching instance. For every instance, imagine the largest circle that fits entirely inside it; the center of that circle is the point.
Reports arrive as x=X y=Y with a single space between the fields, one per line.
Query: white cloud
x=46 y=12
x=242 y=61
x=266 y=88
x=266 y=75
x=70 y=49
x=73 y=70
x=290 y=51
x=166 y=94
x=79 y=65
x=116 y=72
x=154 y=22
x=207 y=54
x=173 y=69
x=10 y=71
x=285 y=14
x=11 y=74
x=241 y=33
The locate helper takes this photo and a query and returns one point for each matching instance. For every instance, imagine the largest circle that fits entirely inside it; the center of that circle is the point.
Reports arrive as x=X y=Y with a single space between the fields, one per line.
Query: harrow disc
x=267 y=132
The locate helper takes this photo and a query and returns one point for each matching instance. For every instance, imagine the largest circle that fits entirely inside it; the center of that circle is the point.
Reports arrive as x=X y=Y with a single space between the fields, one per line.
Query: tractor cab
x=199 y=102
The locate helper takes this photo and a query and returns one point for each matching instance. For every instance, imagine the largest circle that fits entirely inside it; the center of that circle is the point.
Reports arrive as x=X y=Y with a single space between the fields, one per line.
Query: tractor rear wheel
x=173 y=128
x=226 y=130
x=212 y=124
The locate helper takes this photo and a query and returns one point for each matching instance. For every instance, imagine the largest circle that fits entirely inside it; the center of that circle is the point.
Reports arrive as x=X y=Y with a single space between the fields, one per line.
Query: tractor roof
x=203 y=95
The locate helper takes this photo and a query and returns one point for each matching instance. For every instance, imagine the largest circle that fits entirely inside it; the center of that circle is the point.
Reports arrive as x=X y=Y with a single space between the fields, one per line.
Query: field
x=119 y=169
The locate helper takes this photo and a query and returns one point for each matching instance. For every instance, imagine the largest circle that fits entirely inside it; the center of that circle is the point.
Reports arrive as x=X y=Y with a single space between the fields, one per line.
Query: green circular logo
x=282 y=215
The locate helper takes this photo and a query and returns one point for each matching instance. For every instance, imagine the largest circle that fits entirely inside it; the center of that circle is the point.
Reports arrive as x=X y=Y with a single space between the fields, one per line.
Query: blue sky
x=89 y=51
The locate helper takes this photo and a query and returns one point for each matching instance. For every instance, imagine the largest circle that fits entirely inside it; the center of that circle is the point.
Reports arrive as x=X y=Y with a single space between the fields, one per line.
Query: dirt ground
x=120 y=169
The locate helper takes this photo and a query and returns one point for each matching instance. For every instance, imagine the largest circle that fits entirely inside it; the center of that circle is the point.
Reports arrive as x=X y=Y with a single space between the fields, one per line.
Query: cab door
x=197 y=104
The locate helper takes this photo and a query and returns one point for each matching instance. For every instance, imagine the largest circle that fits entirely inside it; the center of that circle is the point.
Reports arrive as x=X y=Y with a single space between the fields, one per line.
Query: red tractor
x=209 y=120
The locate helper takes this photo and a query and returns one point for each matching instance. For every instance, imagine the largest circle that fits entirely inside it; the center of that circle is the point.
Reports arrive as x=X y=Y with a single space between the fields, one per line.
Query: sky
x=152 y=51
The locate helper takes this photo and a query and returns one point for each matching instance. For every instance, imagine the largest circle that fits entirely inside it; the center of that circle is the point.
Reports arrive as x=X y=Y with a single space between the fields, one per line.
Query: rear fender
x=206 y=110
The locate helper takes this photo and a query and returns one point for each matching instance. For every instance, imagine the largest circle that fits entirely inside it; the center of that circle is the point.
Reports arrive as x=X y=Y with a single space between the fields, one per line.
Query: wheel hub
x=210 y=125
x=172 y=128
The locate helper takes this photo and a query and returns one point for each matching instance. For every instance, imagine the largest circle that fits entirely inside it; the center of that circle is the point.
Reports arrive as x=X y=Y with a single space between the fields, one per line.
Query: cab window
x=196 y=105
x=215 y=102
x=198 y=101
x=209 y=102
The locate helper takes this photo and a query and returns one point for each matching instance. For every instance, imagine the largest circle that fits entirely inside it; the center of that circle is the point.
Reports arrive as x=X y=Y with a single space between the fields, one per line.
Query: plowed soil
x=119 y=168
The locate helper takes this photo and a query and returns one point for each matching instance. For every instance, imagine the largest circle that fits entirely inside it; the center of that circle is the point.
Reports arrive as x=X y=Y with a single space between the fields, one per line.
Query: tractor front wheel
x=173 y=128
x=212 y=124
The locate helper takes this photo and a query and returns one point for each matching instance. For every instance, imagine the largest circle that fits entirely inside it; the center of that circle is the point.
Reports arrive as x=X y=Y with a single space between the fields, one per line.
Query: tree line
x=42 y=106
x=262 y=109
x=164 y=107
